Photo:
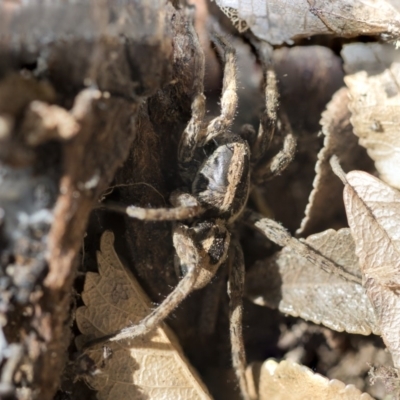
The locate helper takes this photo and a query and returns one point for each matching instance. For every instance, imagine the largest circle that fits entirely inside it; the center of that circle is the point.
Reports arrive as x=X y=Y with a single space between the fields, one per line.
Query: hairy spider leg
x=235 y=291
x=275 y=232
x=269 y=118
x=200 y=256
x=203 y=247
x=190 y=137
x=195 y=135
x=229 y=99
x=157 y=316
x=185 y=205
x=264 y=171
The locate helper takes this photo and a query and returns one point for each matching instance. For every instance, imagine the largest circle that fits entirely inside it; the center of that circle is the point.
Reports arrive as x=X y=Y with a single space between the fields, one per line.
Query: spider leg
x=197 y=253
x=275 y=232
x=154 y=319
x=269 y=118
x=211 y=303
x=264 y=171
x=185 y=207
x=278 y=163
x=229 y=98
x=181 y=291
x=191 y=135
x=235 y=292
x=189 y=138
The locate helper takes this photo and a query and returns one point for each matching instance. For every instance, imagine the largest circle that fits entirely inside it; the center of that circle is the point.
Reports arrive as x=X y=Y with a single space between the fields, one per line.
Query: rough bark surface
x=51 y=179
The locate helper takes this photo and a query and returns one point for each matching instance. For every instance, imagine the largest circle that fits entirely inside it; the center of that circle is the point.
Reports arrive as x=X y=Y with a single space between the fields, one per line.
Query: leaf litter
x=373 y=79
x=148 y=367
x=340 y=140
x=373 y=211
x=279 y=22
x=298 y=287
x=276 y=380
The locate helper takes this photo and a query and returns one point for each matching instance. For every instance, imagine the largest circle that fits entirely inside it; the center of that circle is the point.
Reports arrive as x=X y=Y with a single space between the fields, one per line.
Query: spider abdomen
x=205 y=244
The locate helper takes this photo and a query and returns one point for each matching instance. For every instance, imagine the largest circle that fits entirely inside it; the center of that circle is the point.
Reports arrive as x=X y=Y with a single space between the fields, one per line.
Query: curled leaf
x=150 y=366
x=373 y=212
x=373 y=80
x=299 y=287
x=339 y=140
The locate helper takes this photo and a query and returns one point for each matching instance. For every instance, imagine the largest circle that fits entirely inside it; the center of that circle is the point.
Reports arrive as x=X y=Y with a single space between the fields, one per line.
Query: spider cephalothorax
x=217 y=167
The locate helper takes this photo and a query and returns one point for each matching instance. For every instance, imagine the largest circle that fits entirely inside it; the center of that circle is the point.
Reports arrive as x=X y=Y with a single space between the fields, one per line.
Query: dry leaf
x=287 y=379
x=298 y=287
x=386 y=303
x=373 y=80
x=373 y=212
x=339 y=140
x=151 y=366
x=279 y=21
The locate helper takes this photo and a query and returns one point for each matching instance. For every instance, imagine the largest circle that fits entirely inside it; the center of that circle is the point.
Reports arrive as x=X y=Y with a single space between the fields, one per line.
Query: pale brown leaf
x=278 y=21
x=386 y=303
x=298 y=287
x=374 y=80
x=289 y=380
x=339 y=140
x=151 y=366
x=373 y=212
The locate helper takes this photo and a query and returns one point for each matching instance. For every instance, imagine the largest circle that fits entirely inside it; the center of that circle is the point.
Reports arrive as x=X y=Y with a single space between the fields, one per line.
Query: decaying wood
x=52 y=178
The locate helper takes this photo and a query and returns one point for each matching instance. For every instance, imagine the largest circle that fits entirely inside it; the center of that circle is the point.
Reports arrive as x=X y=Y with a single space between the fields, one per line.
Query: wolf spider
x=218 y=166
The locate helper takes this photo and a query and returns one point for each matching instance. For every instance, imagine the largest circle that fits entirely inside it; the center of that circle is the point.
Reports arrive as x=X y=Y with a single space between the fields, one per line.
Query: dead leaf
x=287 y=379
x=373 y=80
x=339 y=140
x=373 y=212
x=278 y=22
x=386 y=303
x=151 y=366
x=298 y=287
